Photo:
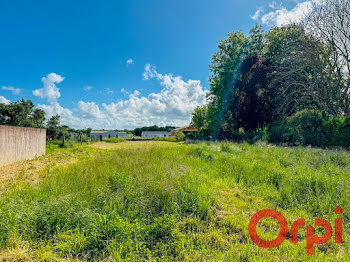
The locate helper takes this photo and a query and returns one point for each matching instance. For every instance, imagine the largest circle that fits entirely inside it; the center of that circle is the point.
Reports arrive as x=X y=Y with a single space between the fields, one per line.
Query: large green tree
x=239 y=95
x=262 y=77
x=21 y=113
x=329 y=22
x=301 y=77
x=53 y=127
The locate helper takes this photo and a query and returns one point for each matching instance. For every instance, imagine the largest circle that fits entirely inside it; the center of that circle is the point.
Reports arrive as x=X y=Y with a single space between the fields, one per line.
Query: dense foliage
x=310 y=127
x=267 y=77
x=21 y=113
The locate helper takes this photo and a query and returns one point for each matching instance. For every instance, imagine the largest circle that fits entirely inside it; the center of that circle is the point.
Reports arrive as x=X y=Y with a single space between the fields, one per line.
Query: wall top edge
x=23 y=127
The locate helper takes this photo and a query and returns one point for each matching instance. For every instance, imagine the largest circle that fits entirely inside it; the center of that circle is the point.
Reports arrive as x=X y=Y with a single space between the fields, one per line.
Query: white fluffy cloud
x=256 y=14
x=280 y=15
x=130 y=61
x=89 y=110
x=3 y=100
x=50 y=91
x=88 y=88
x=67 y=117
x=173 y=105
x=15 y=91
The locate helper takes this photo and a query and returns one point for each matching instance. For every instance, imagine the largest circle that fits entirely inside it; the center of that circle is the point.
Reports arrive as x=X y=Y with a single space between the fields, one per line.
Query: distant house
x=97 y=134
x=185 y=129
x=124 y=135
x=153 y=134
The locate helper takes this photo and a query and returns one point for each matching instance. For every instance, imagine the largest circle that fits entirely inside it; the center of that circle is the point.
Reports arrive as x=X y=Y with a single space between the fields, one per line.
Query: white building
x=124 y=135
x=103 y=134
x=153 y=134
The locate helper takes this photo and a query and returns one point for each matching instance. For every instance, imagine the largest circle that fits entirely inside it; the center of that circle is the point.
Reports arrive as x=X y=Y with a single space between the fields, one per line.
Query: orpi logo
x=311 y=237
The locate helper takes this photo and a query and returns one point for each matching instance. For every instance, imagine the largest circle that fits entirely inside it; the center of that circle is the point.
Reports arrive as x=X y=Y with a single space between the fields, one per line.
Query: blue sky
x=121 y=64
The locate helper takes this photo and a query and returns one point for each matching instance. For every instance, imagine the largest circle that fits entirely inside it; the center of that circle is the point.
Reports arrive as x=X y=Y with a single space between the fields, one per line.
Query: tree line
x=22 y=113
x=265 y=76
x=138 y=131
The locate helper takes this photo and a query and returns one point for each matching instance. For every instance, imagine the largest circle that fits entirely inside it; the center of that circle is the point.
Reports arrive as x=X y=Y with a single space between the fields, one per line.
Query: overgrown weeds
x=176 y=202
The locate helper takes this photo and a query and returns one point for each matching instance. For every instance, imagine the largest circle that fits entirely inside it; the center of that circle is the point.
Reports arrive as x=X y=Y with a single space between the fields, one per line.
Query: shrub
x=249 y=137
x=54 y=142
x=204 y=133
x=306 y=128
x=303 y=128
x=310 y=127
x=168 y=139
x=180 y=136
x=345 y=133
x=278 y=132
x=332 y=129
x=136 y=138
x=337 y=132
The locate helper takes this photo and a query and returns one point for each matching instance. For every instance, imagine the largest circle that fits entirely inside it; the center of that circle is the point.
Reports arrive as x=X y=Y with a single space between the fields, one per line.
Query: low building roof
x=100 y=131
x=185 y=128
x=152 y=132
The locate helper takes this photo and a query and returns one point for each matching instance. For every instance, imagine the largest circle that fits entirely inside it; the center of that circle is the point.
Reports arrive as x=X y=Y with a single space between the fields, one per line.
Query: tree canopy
x=265 y=76
x=21 y=113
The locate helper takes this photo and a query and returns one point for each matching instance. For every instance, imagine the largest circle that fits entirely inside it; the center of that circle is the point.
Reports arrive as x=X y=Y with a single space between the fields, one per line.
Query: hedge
x=310 y=127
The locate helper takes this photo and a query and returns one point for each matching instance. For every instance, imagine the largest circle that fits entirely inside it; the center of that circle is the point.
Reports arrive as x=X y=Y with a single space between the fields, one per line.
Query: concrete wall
x=20 y=143
x=107 y=134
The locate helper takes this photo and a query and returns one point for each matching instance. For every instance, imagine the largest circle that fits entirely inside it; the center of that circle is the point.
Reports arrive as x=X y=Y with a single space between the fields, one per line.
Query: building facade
x=154 y=134
x=124 y=135
x=103 y=134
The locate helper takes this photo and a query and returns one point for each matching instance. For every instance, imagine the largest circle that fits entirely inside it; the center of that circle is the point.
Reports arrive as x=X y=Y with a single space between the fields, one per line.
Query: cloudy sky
x=121 y=64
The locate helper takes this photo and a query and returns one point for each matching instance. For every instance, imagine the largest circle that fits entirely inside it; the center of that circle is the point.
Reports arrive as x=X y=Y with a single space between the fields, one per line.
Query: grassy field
x=161 y=201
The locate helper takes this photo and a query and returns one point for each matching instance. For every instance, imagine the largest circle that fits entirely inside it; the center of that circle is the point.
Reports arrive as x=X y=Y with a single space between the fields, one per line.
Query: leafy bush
x=345 y=133
x=249 y=137
x=306 y=127
x=303 y=128
x=278 y=132
x=168 y=139
x=135 y=138
x=180 y=136
x=310 y=127
x=337 y=132
x=203 y=133
x=54 y=142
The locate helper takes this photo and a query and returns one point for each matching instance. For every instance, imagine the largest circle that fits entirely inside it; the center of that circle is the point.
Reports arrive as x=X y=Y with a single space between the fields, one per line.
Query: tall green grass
x=177 y=202
x=115 y=140
x=122 y=203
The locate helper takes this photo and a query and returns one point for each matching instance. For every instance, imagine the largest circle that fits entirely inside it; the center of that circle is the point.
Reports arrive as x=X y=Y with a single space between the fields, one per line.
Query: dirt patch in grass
x=29 y=171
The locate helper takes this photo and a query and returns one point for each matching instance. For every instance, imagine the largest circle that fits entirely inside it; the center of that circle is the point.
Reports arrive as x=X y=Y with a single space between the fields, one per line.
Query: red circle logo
x=268 y=243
